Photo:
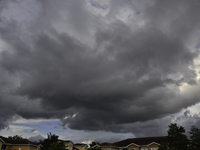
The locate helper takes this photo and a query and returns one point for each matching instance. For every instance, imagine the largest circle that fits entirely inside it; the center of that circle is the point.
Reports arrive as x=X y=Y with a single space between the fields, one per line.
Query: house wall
x=14 y=147
x=78 y=147
x=153 y=147
x=33 y=148
x=105 y=148
x=24 y=147
x=133 y=147
x=114 y=148
x=109 y=148
x=68 y=145
x=144 y=148
x=81 y=147
x=1 y=144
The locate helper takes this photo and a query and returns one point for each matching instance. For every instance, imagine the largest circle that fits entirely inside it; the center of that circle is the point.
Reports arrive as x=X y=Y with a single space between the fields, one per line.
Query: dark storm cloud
x=188 y=119
x=111 y=74
x=33 y=130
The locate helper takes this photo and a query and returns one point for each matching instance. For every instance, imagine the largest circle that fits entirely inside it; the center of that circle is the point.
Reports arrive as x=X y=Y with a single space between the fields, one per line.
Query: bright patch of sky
x=32 y=127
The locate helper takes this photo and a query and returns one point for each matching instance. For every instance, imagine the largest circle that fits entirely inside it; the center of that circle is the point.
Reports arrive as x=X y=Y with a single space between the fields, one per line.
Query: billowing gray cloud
x=188 y=119
x=96 y=66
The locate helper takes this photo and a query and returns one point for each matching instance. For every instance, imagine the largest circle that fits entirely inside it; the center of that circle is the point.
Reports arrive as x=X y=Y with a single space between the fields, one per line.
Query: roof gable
x=133 y=144
x=2 y=140
x=153 y=143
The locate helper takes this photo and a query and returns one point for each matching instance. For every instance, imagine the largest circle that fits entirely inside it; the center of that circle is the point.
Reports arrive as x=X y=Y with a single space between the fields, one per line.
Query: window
x=3 y=147
x=70 y=144
x=154 y=148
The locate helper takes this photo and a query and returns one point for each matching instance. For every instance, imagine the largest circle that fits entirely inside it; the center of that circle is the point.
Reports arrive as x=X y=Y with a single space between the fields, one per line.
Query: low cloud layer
x=36 y=138
x=110 y=65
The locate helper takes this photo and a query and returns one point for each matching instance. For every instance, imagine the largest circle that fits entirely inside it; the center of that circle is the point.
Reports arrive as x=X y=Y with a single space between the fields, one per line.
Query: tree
x=195 y=138
x=163 y=147
x=93 y=144
x=16 y=137
x=51 y=143
x=56 y=146
x=177 y=140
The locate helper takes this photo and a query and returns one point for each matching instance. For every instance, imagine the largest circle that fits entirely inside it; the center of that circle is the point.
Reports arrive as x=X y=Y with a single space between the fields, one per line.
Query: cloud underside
x=96 y=66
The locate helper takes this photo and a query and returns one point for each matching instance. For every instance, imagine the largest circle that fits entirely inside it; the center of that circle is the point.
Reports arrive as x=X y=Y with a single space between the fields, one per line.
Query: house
x=7 y=144
x=68 y=144
x=105 y=146
x=145 y=143
x=81 y=146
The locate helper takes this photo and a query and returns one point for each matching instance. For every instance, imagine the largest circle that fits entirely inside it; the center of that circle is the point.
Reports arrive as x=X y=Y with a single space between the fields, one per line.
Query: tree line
x=178 y=140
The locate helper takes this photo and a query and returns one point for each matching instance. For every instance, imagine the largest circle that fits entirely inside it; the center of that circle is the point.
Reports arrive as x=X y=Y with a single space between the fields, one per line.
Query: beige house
x=69 y=145
x=81 y=146
x=146 y=143
x=1 y=143
x=105 y=146
x=7 y=144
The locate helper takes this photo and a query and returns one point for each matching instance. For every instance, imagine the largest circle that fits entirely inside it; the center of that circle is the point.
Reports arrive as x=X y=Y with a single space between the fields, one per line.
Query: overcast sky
x=99 y=70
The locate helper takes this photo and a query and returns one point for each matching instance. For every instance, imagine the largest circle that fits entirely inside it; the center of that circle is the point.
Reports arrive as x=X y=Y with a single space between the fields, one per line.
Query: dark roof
x=64 y=140
x=141 y=141
x=106 y=144
x=6 y=140
x=24 y=141
x=80 y=144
